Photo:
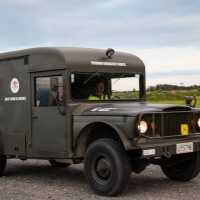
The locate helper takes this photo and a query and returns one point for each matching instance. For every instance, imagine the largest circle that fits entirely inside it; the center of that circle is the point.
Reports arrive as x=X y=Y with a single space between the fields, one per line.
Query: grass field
x=173 y=102
x=172 y=97
x=163 y=97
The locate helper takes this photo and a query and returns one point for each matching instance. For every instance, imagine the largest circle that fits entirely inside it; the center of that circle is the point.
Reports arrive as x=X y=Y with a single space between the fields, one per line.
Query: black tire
x=3 y=161
x=107 y=167
x=57 y=164
x=185 y=171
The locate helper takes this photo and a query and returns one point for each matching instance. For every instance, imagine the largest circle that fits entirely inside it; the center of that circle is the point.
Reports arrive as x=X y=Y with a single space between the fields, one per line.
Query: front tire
x=184 y=171
x=107 y=167
x=3 y=161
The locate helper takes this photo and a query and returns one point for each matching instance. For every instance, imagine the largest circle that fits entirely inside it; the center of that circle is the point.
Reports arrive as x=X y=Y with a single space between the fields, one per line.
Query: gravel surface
x=35 y=179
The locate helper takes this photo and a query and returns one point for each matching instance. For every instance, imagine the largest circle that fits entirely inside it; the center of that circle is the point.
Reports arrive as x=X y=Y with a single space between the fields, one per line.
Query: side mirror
x=54 y=91
x=54 y=94
x=54 y=84
x=190 y=101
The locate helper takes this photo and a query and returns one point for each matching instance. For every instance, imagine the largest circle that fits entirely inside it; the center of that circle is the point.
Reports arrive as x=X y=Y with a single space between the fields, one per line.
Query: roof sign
x=107 y=63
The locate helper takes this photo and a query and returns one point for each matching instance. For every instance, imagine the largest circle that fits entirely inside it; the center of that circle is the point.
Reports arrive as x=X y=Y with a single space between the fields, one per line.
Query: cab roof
x=74 y=56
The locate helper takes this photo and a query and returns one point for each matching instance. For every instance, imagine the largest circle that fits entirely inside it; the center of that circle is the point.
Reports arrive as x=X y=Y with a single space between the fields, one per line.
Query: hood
x=127 y=109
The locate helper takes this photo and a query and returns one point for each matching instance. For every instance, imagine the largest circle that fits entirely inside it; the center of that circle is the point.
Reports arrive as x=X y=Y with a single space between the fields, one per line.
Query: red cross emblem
x=15 y=86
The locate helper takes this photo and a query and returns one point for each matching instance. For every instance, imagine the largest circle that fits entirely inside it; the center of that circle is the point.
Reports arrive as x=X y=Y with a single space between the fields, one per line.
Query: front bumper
x=167 y=148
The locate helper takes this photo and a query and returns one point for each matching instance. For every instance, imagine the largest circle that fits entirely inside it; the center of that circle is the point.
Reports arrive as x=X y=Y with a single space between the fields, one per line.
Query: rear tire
x=3 y=161
x=185 y=171
x=57 y=164
x=107 y=167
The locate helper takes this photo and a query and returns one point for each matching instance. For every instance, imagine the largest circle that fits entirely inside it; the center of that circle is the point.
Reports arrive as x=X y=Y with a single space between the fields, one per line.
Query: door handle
x=34 y=117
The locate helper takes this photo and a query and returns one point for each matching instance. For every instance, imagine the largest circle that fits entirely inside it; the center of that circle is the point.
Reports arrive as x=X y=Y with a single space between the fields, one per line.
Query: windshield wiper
x=91 y=77
x=120 y=77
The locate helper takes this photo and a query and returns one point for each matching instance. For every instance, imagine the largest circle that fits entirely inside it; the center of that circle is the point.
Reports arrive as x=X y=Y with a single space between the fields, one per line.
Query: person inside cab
x=98 y=93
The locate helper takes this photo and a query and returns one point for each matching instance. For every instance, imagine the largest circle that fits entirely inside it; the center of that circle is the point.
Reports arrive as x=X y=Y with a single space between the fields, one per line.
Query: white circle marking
x=14 y=85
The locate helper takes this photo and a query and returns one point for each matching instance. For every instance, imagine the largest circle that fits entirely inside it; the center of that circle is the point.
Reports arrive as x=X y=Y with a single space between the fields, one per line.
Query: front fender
x=126 y=142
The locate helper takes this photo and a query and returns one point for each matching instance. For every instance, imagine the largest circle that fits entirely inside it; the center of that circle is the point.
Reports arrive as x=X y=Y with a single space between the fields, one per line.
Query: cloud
x=168 y=58
x=187 y=80
x=162 y=74
x=99 y=24
x=170 y=65
x=164 y=34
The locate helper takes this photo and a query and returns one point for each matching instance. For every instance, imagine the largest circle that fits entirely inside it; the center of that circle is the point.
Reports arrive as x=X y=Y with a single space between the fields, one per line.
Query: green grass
x=172 y=97
x=163 y=97
x=127 y=95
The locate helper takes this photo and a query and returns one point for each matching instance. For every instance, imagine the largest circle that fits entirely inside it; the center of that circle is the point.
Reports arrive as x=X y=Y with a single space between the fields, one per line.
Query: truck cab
x=51 y=109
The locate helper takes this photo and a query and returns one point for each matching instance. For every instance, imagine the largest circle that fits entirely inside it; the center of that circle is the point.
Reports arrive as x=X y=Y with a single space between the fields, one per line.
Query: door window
x=43 y=91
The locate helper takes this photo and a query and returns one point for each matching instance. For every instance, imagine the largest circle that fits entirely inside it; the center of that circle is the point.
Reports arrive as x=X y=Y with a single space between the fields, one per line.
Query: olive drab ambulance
x=46 y=113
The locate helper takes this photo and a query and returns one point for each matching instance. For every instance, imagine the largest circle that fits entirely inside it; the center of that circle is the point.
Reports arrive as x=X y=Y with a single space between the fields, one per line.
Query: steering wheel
x=116 y=97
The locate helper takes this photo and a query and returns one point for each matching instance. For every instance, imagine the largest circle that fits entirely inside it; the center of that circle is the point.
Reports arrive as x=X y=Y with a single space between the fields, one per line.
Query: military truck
x=45 y=113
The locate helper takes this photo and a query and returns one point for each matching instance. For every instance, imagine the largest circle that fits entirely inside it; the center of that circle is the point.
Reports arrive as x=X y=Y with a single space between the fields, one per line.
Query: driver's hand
x=112 y=96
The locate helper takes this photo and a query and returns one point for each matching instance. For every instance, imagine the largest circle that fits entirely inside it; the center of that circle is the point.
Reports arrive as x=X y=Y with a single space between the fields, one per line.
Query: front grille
x=172 y=123
x=168 y=124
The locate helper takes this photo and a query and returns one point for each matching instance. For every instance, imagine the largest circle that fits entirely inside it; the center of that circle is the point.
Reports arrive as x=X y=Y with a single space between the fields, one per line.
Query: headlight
x=142 y=126
x=198 y=122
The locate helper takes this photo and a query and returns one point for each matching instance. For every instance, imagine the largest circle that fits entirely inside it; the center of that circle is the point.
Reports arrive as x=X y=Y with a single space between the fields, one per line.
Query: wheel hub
x=103 y=168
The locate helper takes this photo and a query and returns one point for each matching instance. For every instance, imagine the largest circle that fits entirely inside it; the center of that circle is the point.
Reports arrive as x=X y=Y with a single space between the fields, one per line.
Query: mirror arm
x=62 y=113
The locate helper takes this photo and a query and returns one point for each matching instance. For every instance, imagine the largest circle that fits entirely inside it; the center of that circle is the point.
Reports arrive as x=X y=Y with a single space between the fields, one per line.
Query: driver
x=98 y=92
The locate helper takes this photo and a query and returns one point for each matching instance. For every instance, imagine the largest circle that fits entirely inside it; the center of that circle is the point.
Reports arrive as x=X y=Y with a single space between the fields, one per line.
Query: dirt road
x=35 y=179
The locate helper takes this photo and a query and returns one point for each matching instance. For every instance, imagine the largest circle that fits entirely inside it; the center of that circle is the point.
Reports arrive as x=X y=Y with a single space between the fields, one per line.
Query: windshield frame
x=142 y=96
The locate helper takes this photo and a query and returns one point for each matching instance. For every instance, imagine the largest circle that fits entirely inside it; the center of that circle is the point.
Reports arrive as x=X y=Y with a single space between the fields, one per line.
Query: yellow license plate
x=184 y=129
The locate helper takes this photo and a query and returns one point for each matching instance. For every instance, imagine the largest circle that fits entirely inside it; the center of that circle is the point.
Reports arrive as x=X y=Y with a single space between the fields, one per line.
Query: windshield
x=106 y=86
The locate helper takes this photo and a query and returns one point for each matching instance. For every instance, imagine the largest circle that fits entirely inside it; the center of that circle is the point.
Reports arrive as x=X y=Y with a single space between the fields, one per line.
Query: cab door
x=48 y=117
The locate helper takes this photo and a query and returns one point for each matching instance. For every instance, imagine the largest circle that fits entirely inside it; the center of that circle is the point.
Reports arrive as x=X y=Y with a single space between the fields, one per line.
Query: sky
x=165 y=34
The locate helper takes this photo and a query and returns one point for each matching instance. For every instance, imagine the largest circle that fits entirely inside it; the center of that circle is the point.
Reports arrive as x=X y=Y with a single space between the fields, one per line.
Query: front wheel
x=107 y=167
x=184 y=171
x=3 y=160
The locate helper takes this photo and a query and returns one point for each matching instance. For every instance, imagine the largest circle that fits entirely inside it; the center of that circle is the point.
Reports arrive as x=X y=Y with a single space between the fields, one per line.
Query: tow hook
x=166 y=154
